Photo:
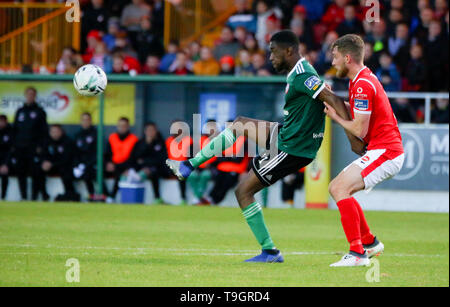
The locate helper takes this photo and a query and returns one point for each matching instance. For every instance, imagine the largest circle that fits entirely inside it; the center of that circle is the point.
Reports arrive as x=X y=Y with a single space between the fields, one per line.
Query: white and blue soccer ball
x=90 y=80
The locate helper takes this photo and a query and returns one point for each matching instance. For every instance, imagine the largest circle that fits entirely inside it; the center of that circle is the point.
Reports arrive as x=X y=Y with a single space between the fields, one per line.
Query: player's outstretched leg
x=241 y=126
x=253 y=214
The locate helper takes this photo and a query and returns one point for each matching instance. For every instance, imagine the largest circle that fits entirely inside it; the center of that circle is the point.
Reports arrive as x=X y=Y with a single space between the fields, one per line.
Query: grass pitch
x=118 y=245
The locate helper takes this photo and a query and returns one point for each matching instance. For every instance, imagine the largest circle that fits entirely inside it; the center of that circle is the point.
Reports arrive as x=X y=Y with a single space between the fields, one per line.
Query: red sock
x=367 y=237
x=351 y=224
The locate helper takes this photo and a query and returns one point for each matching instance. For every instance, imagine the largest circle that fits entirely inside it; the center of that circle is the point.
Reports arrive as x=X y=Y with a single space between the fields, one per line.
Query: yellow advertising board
x=64 y=105
x=318 y=173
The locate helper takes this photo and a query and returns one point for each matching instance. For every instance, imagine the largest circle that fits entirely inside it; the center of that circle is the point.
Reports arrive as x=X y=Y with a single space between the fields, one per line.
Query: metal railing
x=34 y=34
x=187 y=20
x=426 y=97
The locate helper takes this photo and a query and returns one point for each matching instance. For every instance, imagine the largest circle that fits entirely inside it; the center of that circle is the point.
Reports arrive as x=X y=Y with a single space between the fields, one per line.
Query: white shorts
x=378 y=165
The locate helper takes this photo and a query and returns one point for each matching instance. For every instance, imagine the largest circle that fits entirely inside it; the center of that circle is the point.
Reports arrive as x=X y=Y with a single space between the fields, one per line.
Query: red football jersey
x=367 y=96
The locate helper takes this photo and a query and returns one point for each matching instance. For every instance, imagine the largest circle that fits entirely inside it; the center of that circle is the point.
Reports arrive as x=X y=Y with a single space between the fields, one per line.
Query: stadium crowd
x=407 y=48
x=29 y=147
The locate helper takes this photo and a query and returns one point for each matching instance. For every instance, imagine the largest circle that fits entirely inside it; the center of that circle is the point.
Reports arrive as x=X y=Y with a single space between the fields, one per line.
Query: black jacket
x=60 y=153
x=6 y=141
x=30 y=127
x=86 y=147
x=151 y=155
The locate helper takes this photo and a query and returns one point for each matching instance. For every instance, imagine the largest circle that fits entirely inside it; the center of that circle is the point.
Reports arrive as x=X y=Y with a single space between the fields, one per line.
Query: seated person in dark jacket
x=5 y=152
x=149 y=156
x=118 y=153
x=85 y=162
x=57 y=158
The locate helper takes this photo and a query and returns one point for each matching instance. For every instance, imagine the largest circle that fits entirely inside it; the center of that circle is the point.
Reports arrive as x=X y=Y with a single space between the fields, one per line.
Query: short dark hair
x=31 y=88
x=285 y=39
x=59 y=126
x=3 y=117
x=124 y=119
x=86 y=114
x=350 y=44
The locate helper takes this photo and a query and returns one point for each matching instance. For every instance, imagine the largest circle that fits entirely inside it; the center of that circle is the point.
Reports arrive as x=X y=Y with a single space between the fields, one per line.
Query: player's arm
x=342 y=110
x=358 y=126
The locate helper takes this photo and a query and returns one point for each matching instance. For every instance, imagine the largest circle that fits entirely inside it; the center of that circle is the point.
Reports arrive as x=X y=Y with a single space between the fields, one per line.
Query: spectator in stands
x=113 y=29
x=181 y=66
x=244 y=66
x=131 y=18
x=93 y=39
x=70 y=61
x=227 y=45
x=251 y=45
x=94 y=17
x=101 y=58
x=148 y=41
x=259 y=62
x=301 y=26
x=440 y=9
x=436 y=53
x=151 y=66
x=158 y=17
x=370 y=58
x=240 y=34
x=315 y=9
x=399 y=45
x=334 y=15
x=149 y=157
x=227 y=66
x=30 y=134
x=388 y=74
x=194 y=51
x=169 y=57
x=179 y=147
x=6 y=142
x=416 y=72
x=243 y=17
x=378 y=36
x=426 y=17
x=123 y=46
x=395 y=17
x=129 y=63
x=58 y=160
x=264 y=10
x=350 y=24
x=440 y=113
x=118 y=153
x=207 y=66
x=403 y=111
x=273 y=25
x=118 y=64
x=325 y=57
x=85 y=158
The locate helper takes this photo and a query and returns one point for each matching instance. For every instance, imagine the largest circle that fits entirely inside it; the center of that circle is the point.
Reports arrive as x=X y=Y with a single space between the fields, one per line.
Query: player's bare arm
x=340 y=107
x=357 y=127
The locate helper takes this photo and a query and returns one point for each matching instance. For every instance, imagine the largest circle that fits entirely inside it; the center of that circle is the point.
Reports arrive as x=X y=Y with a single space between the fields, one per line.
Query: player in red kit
x=374 y=122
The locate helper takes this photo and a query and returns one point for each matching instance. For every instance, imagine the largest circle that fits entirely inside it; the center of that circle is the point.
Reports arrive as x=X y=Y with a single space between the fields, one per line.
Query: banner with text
x=64 y=105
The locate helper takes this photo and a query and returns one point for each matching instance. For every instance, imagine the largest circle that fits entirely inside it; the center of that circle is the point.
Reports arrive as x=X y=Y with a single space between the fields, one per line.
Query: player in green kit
x=289 y=147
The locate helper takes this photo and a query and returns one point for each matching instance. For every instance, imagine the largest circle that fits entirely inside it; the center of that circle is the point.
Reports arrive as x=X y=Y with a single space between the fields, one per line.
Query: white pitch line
x=136 y=251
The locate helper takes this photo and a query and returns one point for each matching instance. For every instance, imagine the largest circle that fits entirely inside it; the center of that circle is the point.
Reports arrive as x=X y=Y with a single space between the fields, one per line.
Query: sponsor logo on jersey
x=362 y=104
x=313 y=83
x=318 y=135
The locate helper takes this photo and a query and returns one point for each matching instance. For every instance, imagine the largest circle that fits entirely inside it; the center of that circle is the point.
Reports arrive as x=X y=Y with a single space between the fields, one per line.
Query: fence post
x=427 y=110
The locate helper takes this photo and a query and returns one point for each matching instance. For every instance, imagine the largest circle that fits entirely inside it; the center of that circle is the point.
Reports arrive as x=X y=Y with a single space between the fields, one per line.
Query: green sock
x=255 y=219
x=214 y=148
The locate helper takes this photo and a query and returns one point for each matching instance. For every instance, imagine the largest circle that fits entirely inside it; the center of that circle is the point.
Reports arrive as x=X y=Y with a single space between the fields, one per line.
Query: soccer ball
x=90 y=80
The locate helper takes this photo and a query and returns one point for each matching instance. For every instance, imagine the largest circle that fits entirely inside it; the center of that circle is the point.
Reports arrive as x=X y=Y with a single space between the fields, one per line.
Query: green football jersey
x=304 y=119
